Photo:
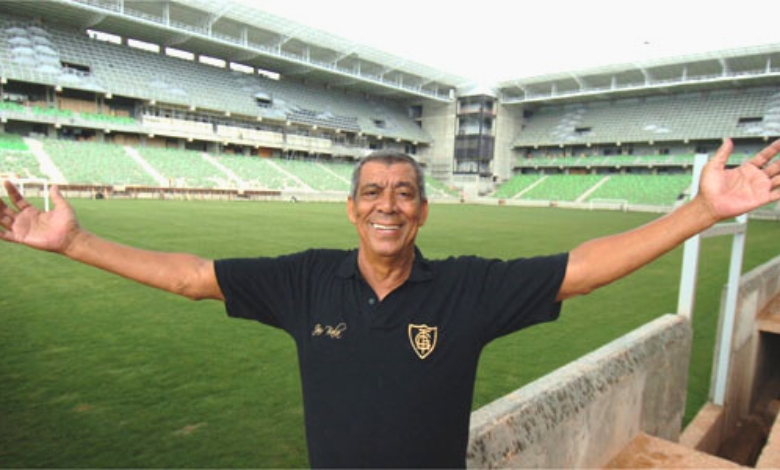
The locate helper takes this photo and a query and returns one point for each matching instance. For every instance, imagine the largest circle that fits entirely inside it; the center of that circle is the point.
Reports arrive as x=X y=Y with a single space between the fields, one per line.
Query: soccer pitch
x=97 y=371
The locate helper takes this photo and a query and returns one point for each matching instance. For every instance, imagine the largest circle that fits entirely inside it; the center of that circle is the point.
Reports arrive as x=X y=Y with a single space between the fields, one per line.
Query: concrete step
x=769 y=324
x=769 y=318
x=646 y=451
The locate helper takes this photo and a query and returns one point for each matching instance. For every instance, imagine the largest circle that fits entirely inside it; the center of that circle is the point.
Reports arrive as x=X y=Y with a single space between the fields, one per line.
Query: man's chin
x=390 y=251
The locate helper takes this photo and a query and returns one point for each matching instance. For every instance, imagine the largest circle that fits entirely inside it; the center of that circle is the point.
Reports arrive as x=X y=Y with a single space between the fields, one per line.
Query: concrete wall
x=508 y=123
x=753 y=368
x=439 y=121
x=747 y=371
x=585 y=413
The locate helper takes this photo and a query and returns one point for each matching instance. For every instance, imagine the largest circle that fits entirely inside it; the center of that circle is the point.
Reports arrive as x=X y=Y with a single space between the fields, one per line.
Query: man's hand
x=729 y=193
x=58 y=231
x=722 y=194
x=25 y=224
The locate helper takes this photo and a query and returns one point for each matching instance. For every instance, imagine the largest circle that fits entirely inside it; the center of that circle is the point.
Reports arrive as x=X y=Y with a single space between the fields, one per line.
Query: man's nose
x=387 y=202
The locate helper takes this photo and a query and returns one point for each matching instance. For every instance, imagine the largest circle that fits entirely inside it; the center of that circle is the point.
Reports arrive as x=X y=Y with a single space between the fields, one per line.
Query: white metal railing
x=689 y=275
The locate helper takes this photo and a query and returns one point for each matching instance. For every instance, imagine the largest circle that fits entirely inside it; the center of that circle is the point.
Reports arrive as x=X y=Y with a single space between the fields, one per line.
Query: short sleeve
x=522 y=292
x=260 y=289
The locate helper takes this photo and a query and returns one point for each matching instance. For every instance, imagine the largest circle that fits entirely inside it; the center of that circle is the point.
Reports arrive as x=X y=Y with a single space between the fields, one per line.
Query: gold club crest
x=423 y=339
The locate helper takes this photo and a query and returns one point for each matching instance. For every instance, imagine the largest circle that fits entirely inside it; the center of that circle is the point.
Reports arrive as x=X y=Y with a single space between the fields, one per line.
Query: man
x=388 y=342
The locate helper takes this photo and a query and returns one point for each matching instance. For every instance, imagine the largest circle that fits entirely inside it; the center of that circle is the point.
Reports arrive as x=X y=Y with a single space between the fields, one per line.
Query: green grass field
x=96 y=371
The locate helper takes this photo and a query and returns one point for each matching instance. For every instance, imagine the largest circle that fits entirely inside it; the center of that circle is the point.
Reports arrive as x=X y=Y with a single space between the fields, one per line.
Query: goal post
x=613 y=204
x=25 y=184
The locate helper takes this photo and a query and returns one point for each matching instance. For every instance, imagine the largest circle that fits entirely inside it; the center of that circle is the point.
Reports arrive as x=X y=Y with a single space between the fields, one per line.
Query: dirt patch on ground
x=189 y=429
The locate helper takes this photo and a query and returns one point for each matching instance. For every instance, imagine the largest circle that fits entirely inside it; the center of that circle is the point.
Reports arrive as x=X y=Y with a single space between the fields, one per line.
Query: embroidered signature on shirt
x=333 y=332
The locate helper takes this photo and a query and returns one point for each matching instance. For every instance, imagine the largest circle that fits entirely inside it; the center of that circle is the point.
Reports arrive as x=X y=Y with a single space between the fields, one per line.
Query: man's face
x=387 y=209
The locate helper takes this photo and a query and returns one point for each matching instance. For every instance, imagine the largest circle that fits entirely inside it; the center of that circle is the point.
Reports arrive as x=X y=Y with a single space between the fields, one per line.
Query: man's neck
x=385 y=274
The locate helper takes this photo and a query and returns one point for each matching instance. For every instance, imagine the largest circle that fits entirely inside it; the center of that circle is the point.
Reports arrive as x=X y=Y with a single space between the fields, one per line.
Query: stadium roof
x=750 y=66
x=240 y=33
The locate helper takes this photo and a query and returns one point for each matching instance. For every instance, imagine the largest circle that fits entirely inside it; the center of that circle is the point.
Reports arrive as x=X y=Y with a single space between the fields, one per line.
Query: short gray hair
x=389 y=157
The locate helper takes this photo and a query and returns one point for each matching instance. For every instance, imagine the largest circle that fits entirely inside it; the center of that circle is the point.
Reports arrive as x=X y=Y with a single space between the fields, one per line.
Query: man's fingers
x=723 y=153
x=773 y=169
x=6 y=221
x=56 y=196
x=16 y=197
x=767 y=154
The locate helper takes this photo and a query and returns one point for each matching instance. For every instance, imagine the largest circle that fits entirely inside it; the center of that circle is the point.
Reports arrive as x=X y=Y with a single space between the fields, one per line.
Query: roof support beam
x=428 y=81
x=214 y=17
x=245 y=36
x=344 y=55
x=392 y=67
x=92 y=20
x=646 y=74
x=166 y=13
x=724 y=64
x=281 y=42
x=579 y=81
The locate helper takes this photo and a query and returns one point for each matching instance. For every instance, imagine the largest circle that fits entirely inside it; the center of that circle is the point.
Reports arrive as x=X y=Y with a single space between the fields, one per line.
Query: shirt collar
x=421 y=268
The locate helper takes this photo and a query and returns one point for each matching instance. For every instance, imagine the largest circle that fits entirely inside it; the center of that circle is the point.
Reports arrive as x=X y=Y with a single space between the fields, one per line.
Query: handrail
x=690 y=273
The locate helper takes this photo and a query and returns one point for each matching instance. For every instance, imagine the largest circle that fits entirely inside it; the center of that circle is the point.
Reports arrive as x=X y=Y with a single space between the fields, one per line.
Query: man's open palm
x=26 y=224
x=744 y=188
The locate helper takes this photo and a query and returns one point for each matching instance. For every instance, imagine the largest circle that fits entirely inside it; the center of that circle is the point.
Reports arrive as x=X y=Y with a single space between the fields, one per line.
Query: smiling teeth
x=386 y=227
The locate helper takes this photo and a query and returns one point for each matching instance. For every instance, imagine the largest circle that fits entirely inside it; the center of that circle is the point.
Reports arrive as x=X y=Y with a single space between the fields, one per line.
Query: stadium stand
x=516 y=185
x=108 y=68
x=315 y=175
x=78 y=162
x=16 y=160
x=309 y=103
x=688 y=116
x=11 y=142
x=661 y=190
x=614 y=161
x=183 y=168
x=258 y=173
x=562 y=187
x=99 y=164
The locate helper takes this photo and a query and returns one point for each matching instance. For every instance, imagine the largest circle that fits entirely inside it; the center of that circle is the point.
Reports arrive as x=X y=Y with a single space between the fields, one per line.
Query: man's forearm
x=601 y=261
x=179 y=273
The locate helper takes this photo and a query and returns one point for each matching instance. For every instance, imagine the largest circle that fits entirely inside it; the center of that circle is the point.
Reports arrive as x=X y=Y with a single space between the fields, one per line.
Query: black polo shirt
x=390 y=383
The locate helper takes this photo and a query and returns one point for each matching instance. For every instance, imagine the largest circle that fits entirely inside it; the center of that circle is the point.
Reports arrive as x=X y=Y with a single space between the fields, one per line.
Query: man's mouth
x=385 y=227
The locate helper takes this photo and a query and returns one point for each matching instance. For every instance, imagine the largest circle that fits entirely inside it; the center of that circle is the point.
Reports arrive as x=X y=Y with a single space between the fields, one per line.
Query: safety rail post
x=690 y=266
x=690 y=271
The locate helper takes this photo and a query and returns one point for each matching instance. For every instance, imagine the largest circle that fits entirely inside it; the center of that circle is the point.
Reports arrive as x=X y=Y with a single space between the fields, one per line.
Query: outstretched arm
x=58 y=231
x=722 y=194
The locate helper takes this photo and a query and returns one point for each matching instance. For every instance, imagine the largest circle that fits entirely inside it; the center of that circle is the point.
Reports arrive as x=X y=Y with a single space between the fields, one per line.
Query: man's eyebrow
x=405 y=184
x=400 y=184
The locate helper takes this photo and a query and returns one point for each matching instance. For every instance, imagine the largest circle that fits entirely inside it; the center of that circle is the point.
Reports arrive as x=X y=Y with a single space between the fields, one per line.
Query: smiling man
x=388 y=341
x=388 y=206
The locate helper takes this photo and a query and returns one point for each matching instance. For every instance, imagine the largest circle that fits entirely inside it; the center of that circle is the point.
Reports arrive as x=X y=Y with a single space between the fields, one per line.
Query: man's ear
x=351 y=209
x=423 y=212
